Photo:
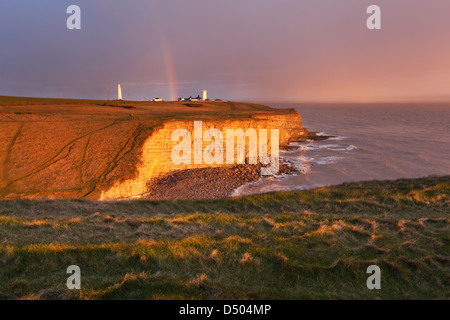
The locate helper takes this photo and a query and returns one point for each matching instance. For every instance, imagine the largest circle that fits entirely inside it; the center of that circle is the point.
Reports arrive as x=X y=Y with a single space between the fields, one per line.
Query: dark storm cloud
x=246 y=49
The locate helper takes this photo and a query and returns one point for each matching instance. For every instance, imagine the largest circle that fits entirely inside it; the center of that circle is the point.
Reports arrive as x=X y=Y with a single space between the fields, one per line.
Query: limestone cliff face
x=155 y=158
x=112 y=150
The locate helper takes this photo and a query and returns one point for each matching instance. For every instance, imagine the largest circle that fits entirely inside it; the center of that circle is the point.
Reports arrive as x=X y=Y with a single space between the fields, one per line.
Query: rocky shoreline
x=207 y=183
x=213 y=182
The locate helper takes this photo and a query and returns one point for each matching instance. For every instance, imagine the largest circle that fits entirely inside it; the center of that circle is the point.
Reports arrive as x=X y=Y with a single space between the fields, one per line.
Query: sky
x=247 y=50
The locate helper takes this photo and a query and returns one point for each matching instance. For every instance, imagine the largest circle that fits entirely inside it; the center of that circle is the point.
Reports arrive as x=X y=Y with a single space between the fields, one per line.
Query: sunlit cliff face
x=242 y=50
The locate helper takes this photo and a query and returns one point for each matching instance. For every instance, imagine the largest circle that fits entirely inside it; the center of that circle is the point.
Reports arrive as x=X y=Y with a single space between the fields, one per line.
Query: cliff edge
x=110 y=150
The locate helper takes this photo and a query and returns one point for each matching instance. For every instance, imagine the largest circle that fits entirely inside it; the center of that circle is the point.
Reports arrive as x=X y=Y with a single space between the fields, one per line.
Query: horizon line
x=250 y=100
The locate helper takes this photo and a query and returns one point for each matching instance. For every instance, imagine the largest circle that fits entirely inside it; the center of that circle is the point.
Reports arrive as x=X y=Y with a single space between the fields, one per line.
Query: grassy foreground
x=302 y=245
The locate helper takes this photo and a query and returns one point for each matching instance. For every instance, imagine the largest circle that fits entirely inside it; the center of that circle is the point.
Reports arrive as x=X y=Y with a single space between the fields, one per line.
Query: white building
x=119 y=92
x=157 y=99
x=198 y=98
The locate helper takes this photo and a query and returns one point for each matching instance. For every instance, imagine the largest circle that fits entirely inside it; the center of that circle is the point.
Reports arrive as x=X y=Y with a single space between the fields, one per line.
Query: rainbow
x=168 y=59
x=170 y=68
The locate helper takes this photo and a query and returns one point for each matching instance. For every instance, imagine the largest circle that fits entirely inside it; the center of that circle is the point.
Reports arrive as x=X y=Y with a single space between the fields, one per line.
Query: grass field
x=301 y=245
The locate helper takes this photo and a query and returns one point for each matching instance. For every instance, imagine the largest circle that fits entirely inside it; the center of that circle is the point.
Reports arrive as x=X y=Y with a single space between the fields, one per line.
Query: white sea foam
x=338 y=138
x=303 y=156
x=333 y=137
x=349 y=148
x=321 y=146
x=326 y=160
x=318 y=146
x=269 y=186
x=301 y=163
x=300 y=148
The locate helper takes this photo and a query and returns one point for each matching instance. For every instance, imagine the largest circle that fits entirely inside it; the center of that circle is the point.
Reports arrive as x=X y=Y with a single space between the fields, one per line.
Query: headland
x=117 y=150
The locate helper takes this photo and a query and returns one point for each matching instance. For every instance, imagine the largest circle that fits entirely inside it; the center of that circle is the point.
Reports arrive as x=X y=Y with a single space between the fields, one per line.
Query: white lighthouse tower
x=119 y=92
x=205 y=95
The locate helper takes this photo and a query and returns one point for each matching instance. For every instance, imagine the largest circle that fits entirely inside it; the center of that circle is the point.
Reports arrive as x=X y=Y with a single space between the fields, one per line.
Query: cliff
x=111 y=150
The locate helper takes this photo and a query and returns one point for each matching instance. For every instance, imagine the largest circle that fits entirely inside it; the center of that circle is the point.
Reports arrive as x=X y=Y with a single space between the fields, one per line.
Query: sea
x=372 y=142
